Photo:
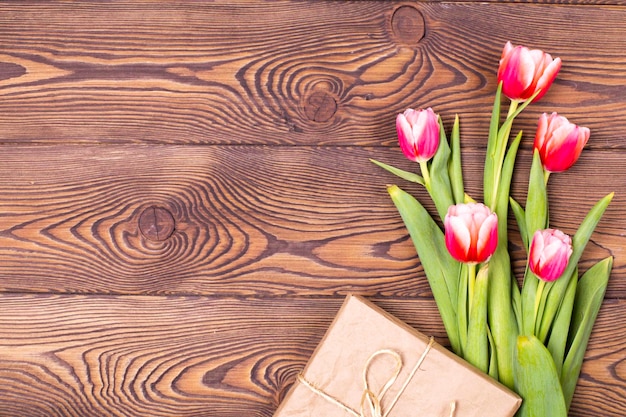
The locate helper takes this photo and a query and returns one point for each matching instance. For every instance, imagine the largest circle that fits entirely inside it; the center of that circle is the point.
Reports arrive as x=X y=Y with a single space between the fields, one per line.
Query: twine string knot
x=371 y=402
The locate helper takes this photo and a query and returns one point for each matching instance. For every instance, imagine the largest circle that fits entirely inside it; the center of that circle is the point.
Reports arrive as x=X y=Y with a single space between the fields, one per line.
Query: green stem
x=546 y=176
x=471 y=272
x=538 y=296
x=425 y=174
x=461 y=311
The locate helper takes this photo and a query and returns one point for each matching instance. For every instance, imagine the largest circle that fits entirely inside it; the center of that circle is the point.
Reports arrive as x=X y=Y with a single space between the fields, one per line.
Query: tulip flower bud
x=549 y=253
x=523 y=72
x=418 y=134
x=471 y=232
x=559 y=142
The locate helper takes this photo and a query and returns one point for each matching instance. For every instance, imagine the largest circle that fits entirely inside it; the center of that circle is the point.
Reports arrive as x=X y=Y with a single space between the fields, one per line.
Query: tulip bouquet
x=532 y=337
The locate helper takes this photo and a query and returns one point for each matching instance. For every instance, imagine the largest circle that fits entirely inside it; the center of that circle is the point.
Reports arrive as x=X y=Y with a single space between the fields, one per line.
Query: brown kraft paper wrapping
x=431 y=381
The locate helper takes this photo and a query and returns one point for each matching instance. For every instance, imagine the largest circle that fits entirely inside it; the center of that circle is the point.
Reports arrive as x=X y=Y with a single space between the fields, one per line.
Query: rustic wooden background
x=186 y=196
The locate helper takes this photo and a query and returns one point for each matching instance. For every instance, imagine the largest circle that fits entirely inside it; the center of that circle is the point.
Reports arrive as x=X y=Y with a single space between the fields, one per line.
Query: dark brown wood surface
x=186 y=194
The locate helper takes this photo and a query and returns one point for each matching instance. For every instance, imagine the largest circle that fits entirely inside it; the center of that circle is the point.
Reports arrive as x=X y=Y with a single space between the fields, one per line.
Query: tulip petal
x=526 y=73
x=542 y=128
x=418 y=134
x=549 y=254
x=508 y=47
x=460 y=238
x=471 y=232
x=411 y=116
x=547 y=78
x=559 y=142
x=487 y=237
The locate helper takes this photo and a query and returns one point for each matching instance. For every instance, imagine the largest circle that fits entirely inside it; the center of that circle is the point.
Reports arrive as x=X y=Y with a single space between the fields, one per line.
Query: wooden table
x=186 y=196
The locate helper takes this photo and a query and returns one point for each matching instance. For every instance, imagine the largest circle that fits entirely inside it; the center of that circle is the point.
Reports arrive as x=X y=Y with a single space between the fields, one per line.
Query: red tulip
x=418 y=134
x=559 y=142
x=549 y=253
x=471 y=232
x=524 y=71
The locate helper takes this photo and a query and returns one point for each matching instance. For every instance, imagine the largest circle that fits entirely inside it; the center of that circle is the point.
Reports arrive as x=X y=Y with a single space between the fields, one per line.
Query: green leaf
x=589 y=296
x=502 y=204
x=516 y=301
x=442 y=271
x=502 y=321
x=537 y=381
x=440 y=186
x=560 y=330
x=584 y=232
x=477 y=350
x=493 y=357
x=529 y=295
x=579 y=241
x=537 y=198
x=468 y=199
x=536 y=219
x=490 y=157
x=406 y=175
x=456 y=173
x=520 y=218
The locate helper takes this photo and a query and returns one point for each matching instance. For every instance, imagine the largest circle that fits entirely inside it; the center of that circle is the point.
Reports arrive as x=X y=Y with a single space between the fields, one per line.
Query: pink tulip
x=471 y=232
x=524 y=71
x=418 y=134
x=559 y=142
x=549 y=253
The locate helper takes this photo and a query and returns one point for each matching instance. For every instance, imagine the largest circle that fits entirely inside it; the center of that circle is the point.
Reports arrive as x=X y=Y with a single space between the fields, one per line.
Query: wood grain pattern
x=175 y=356
x=235 y=73
x=186 y=196
x=248 y=220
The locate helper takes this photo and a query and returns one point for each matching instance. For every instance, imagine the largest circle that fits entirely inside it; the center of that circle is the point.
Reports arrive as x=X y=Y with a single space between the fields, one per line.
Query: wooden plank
x=274 y=234
x=174 y=356
x=247 y=220
x=328 y=73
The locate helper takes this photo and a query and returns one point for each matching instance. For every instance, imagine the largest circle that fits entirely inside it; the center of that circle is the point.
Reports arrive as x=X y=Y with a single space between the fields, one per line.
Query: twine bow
x=370 y=401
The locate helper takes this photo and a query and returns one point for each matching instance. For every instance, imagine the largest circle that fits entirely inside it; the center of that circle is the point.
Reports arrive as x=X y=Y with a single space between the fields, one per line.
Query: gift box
x=371 y=364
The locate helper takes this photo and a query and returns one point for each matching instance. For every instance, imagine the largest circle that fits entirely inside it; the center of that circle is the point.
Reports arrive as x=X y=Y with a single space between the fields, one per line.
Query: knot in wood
x=408 y=24
x=320 y=106
x=156 y=224
x=10 y=70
